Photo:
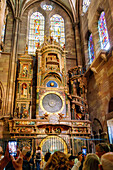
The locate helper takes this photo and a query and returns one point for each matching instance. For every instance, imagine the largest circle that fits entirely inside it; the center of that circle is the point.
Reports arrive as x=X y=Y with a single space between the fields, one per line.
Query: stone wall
x=100 y=84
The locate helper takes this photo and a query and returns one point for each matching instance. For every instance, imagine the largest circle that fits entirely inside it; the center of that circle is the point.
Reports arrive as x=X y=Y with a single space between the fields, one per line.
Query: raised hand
x=17 y=164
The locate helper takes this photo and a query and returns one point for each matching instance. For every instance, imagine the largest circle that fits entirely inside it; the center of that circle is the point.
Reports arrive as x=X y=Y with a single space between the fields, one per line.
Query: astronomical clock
x=51 y=82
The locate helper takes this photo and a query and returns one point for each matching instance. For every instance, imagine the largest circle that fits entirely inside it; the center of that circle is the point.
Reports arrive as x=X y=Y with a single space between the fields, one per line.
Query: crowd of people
x=101 y=160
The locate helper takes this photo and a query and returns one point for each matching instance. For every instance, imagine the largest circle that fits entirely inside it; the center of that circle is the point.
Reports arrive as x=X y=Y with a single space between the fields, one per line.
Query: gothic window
x=86 y=4
x=3 y=33
x=57 y=28
x=91 y=49
x=47 y=7
x=36 y=32
x=103 y=32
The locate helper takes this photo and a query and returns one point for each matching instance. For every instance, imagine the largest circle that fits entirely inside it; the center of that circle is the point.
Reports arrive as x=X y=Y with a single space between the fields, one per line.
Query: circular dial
x=52 y=102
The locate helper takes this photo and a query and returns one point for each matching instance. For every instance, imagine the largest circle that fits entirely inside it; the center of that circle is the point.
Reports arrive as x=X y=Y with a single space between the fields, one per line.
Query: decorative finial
x=26 y=51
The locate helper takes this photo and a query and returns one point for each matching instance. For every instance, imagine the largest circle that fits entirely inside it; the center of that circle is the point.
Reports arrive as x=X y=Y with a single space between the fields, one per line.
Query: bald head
x=107 y=161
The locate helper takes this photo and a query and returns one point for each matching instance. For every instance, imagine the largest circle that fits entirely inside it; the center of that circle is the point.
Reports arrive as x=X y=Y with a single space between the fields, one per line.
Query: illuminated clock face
x=52 y=103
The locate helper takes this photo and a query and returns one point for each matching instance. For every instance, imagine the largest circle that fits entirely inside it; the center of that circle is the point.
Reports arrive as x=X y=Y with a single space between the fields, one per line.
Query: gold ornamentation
x=52 y=84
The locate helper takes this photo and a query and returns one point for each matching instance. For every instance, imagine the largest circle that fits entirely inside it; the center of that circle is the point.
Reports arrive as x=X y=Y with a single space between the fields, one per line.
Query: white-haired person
x=91 y=162
x=107 y=161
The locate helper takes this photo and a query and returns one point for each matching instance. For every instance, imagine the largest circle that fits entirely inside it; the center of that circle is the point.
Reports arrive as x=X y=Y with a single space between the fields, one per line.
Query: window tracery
x=47 y=7
x=36 y=31
x=103 y=32
x=91 y=49
x=57 y=28
x=86 y=4
x=3 y=33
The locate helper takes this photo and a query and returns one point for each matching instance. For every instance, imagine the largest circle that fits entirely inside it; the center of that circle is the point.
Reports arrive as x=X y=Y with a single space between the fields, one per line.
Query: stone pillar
x=86 y=53
x=2 y=17
x=96 y=40
x=39 y=55
x=12 y=66
x=78 y=45
x=47 y=26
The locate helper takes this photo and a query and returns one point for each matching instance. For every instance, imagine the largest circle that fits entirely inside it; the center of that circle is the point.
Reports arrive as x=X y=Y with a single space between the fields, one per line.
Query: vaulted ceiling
x=68 y=5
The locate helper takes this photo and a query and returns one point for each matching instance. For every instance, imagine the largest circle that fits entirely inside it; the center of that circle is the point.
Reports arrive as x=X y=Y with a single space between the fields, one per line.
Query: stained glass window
x=86 y=5
x=57 y=28
x=3 y=33
x=103 y=32
x=91 y=49
x=47 y=7
x=36 y=32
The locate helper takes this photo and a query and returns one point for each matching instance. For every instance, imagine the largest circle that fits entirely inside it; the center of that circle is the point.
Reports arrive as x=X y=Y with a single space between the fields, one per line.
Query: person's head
x=91 y=162
x=57 y=161
x=47 y=156
x=101 y=149
x=39 y=148
x=71 y=159
x=107 y=161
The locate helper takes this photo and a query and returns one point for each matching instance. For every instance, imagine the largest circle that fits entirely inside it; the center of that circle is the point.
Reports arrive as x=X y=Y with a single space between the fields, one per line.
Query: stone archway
x=110 y=109
x=53 y=143
x=97 y=127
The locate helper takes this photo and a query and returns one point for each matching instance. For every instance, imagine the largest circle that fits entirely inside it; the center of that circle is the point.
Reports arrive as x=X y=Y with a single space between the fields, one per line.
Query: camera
x=12 y=145
x=84 y=151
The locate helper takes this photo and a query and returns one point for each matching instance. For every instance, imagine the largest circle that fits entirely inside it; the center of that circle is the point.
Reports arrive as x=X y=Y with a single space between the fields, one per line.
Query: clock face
x=52 y=102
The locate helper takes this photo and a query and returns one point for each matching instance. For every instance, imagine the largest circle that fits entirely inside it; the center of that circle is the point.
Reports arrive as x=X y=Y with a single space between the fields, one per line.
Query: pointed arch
x=36 y=31
x=103 y=32
x=57 y=28
x=90 y=48
x=110 y=109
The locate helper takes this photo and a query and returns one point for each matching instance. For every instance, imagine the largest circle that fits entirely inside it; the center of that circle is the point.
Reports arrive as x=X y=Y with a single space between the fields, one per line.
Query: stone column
x=86 y=53
x=78 y=45
x=2 y=17
x=12 y=65
x=47 y=25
